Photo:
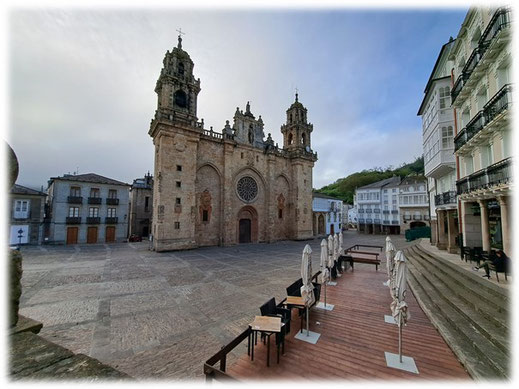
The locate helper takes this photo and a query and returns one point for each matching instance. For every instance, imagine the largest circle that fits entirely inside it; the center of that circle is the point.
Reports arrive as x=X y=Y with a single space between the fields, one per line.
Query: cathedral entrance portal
x=247 y=225
x=245 y=231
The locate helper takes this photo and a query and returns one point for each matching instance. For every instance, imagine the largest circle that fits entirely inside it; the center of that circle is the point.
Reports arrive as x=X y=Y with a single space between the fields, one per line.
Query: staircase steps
x=469 y=312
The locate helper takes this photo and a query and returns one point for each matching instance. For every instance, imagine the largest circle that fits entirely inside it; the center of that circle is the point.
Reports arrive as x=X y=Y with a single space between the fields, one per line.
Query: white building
x=413 y=203
x=482 y=99
x=327 y=214
x=352 y=217
x=377 y=209
x=438 y=149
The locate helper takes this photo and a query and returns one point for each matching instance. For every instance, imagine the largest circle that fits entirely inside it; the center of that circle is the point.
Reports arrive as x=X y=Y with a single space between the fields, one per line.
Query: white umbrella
x=335 y=247
x=306 y=276
x=399 y=290
x=390 y=255
x=341 y=248
x=330 y=251
x=325 y=273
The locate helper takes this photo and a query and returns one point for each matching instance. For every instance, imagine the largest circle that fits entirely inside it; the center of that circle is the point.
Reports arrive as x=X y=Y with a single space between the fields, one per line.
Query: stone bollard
x=15 y=285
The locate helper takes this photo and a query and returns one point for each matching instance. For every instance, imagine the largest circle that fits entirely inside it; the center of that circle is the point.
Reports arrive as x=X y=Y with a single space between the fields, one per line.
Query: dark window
x=112 y=194
x=205 y=215
x=177 y=225
x=180 y=99
x=179 y=184
x=177 y=201
x=179 y=168
x=180 y=68
x=280 y=213
x=75 y=191
x=146 y=203
x=94 y=192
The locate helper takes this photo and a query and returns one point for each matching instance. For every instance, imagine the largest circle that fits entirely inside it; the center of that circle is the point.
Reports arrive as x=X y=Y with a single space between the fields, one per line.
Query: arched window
x=290 y=139
x=180 y=68
x=303 y=139
x=290 y=118
x=180 y=99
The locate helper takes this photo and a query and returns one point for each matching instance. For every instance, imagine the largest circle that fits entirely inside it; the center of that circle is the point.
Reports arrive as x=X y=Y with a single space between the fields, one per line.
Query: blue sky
x=81 y=81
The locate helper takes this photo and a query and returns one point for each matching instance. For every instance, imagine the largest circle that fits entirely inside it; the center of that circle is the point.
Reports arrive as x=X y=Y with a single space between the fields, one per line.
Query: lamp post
x=20 y=236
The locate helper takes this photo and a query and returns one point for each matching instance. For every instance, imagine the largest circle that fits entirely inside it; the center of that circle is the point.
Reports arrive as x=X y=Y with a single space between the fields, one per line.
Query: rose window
x=247 y=189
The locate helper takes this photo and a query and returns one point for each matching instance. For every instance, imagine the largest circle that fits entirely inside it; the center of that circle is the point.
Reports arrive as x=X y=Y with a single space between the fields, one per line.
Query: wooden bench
x=355 y=256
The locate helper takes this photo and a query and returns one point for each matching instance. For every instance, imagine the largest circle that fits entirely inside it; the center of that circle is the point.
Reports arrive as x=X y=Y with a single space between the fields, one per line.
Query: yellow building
x=481 y=98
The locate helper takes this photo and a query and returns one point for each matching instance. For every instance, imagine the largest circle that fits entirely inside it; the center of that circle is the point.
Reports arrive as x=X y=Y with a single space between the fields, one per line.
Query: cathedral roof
x=297 y=104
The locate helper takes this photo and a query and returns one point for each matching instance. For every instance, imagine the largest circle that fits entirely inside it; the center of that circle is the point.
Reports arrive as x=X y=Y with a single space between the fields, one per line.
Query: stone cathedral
x=228 y=187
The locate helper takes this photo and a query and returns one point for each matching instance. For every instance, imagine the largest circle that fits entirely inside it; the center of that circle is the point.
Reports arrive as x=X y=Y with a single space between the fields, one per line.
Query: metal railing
x=112 y=201
x=445 y=198
x=497 y=104
x=95 y=200
x=93 y=220
x=498 y=173
x=500 y=19
x=75 y=200
x=111 y=220
x=73 y=220
x=395 y=222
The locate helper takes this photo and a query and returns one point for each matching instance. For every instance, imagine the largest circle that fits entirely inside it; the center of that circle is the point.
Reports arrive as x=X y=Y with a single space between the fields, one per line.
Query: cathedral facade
x=229 y=187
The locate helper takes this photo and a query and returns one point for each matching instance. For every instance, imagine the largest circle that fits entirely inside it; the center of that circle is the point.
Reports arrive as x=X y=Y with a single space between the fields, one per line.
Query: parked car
x=135 y=238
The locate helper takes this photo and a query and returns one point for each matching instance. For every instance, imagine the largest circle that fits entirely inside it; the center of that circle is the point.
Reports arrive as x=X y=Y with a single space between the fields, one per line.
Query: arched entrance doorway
x=332 y=229
x=247 y=224
x=417 y=224
x=320 y=225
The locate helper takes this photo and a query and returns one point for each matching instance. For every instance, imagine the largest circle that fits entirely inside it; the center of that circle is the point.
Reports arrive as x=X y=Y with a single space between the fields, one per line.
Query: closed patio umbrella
x=336 y=252
x=306 y=276
x=331 y=252
x=324 y=277
x=390 y=255
x=399 y=290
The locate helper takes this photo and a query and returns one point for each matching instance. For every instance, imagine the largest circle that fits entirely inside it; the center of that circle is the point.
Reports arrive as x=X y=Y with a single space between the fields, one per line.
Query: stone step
x=479 y=356
x=491 y=329
x=487 y=291
x=479 y=299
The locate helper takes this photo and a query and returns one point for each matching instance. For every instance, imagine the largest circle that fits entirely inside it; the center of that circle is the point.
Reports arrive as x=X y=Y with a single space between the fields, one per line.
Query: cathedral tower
x=296 y=131
x=177 y=89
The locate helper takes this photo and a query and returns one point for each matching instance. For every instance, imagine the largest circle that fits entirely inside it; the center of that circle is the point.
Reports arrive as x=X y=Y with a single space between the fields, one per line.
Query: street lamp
x=20 y=236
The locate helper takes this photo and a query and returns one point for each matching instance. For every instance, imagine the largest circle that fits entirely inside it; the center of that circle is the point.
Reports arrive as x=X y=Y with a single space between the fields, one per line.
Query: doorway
x=332 y=229
x=110 y=234
x=92 y=235
x=245 y=231
x=72 y=234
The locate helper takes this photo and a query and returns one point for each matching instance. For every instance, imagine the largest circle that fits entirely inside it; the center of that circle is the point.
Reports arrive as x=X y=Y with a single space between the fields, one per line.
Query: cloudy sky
x=81 y=81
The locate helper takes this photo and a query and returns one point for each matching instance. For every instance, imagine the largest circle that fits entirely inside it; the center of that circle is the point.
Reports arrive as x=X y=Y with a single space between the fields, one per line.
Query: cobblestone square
x=158 y=315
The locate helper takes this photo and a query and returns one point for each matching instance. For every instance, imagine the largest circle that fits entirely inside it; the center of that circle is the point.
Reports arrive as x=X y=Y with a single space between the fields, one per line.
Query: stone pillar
x=451 y=233
x=442 y=239
x=485 y=231
x=505 y=224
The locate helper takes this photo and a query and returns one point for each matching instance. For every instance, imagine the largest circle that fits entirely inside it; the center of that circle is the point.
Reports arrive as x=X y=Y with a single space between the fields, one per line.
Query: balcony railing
x=386 y=222
x=95 y=200
x=21 y=215
x=93 y=220
x=111 y=220
x=73 y=220
x=362 y=221
x=376 y=210
x=498 y=173
x=394 y=211
x=369 y=220
x=445 y=198
x=75 y=200
x=361 y=210
x=497 y=104
x=368 y=210
x=385 y=211
x=500 y=20
x=395 y=222
x=110 y=201
x=376 y=221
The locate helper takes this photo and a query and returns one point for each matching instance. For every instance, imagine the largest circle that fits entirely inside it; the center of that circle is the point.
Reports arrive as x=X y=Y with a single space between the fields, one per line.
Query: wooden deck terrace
x=354 y=337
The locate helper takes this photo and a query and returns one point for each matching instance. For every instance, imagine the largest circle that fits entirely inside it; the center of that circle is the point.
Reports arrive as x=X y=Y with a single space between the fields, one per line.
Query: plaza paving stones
x=158 y=315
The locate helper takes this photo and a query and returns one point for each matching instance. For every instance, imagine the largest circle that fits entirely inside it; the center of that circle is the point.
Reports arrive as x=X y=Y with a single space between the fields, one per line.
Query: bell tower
x=177 y=89
x=296 y=131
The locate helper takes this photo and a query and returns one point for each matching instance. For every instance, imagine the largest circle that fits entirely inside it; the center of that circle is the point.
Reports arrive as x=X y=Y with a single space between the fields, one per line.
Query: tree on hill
x=344 y=188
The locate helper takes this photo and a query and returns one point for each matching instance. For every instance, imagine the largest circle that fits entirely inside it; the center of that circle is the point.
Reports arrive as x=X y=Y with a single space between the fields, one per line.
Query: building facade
x=482 y=100
x=377 y=207
x=327 y=214
x=86 y=208
x=229 y=187
x=141 y=206
x=438 y=149
x=26 y=215
x=413 y=203
x=352 y=217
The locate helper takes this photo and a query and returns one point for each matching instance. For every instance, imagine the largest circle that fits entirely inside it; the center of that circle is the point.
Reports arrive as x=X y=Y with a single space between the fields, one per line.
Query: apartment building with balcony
x=438 y=150
x=141 y=206
x=327 y=214
x=86 y=208
x=377 y=207
x=26 y=215
x=482 y=100
x=413 y=203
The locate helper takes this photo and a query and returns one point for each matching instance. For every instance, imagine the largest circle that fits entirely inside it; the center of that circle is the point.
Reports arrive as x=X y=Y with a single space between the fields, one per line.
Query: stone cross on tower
x=180 y=33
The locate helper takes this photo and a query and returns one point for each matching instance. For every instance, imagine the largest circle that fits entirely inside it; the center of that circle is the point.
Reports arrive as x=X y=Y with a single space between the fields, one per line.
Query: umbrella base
x=407 y=364
x=312 y=337
x=332 y=283
x=389 y=319
x=327 y=307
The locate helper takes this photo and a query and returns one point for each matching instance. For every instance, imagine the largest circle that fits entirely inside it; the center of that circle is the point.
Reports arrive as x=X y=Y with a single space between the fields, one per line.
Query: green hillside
x=344 y=188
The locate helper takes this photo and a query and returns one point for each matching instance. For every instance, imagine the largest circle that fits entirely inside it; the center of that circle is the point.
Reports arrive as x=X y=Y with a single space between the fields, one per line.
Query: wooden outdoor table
x=267 y=324
x=297 y=302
